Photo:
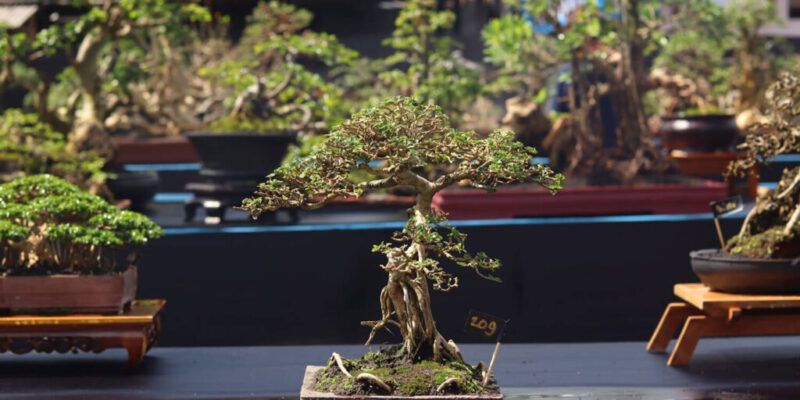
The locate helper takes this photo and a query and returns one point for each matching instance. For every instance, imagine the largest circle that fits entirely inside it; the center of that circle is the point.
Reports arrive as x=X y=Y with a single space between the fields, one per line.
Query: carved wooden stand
x=710 y=314
x=135 y=329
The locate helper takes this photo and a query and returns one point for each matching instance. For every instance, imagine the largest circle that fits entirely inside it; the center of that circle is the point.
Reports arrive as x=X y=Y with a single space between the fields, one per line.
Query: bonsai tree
x=425 y=63
x=29 y=146
x=273 y=87
x=395 y=142
x=525 y=64
x=48 y=225
x=605 y=47
x=715 y=60
x=101 y=47
x=770 y=230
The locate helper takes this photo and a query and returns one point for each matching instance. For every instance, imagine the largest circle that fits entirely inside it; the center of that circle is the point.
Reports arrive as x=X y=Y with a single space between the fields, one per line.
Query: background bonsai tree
x=102 y=49
x=29 y=146
x=526 y=63
x=770 y=230
x=48 y=225
x=273 y=87
x=604 y=47
x=395 y=142
x=425 y=63
x=715 y=60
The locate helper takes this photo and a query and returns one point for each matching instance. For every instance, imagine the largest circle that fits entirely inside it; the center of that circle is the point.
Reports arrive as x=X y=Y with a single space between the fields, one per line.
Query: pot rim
x=275 y=134
x=698 y=117
x=115 y=274
x=710 y=255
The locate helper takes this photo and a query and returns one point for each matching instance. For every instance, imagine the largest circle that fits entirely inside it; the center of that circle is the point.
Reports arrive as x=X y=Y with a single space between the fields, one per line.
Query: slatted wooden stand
x=136 y=330
x=706 y=313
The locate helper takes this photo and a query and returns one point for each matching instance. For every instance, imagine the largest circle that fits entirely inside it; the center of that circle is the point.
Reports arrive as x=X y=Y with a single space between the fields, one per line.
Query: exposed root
x=450 y=382
x=369 y=378
x=340 y=364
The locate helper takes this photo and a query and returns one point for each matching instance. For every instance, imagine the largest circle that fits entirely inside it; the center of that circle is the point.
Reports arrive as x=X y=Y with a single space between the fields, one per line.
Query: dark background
x=565 y=282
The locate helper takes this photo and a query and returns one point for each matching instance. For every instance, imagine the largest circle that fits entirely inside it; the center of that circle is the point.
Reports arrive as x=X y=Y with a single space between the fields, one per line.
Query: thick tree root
x=340 y=363
x=449 y=382
x=369 y=378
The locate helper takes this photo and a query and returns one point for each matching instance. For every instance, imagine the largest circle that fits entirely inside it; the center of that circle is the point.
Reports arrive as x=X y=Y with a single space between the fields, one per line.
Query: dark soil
x=405 y=376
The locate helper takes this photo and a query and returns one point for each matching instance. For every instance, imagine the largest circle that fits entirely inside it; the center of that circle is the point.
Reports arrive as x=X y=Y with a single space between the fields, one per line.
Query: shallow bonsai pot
x=153 y=150
x=699 y=133
x=307 y=392
x=138 y=186
x=246 y=155
x=737 y=274
x=102 y=294
x=522 y=201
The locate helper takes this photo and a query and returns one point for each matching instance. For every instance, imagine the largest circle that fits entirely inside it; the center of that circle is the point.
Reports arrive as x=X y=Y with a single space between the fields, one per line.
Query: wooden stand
x=136 y=330
x=713 y=314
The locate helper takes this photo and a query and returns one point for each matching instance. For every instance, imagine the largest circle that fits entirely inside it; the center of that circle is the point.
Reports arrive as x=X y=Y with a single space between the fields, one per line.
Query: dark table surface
x=739 y=368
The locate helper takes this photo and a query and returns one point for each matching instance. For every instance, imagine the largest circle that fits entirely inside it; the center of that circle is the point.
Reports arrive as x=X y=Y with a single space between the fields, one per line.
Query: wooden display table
x=135 y=329
x=707 y=314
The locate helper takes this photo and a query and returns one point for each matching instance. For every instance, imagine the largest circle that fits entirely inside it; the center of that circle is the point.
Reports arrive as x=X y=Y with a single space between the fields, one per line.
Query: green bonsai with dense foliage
x=29 y=146
x=105 y=53
x=48 y=225
x=715 y=59
x=274 y=88
x=771 y=228
x=606 y=47
x=396 y=143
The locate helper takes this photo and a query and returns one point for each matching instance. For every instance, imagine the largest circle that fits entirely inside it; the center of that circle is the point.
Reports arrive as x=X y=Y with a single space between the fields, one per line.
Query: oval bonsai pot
x=138 y=186
x=737 y=274
x=102 y=294
x=699 y=133
x=244 y=155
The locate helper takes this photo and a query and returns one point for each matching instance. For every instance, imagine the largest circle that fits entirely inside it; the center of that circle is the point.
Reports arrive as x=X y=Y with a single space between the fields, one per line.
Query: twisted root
x=369 y=378
x=449 y=382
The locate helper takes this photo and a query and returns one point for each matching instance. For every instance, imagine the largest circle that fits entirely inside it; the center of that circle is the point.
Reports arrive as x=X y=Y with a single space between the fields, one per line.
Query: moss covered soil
x=406 y=377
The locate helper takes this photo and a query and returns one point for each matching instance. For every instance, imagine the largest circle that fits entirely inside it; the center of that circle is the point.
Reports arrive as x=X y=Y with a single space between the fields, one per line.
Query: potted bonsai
x=713 y=70
x=103 y=48
x=762 y=257
x=59 y=248
x=29 y=146
x=425 y=62
x=599 y=135
x=396 y=142
x=278 y=100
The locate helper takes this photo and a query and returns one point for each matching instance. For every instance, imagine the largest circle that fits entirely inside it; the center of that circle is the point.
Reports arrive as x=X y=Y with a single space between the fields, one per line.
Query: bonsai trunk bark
x=406 y=295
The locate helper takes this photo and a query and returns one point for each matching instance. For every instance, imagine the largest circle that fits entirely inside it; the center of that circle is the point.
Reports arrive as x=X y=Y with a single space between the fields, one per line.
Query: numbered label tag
x=484 y=325
x=727 y=206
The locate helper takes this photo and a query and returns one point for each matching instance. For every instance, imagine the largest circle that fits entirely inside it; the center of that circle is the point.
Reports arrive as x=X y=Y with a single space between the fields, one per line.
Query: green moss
x=763 y=245
x=404 y=376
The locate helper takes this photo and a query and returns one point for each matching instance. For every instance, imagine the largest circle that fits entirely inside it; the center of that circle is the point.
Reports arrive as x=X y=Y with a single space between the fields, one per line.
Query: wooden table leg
x=136 y=345
x=674 y=316
x=693 y=330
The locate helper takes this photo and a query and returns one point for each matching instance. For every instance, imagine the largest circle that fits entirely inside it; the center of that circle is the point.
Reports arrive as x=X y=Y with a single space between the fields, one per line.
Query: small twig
x=339 y=362
x=369 y=378
x=448 y=383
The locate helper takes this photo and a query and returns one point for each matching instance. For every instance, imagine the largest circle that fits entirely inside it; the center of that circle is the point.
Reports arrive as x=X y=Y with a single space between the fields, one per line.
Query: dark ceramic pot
x=240 y=155
x=700 y=133
x=736 y=274
x=139 y=187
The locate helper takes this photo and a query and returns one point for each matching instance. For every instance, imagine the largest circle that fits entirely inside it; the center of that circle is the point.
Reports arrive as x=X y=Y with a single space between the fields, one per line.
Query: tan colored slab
x=705 y=299
x=307 y=392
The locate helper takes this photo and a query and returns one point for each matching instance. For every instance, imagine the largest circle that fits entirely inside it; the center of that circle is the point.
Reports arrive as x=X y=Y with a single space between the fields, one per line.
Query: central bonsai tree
x=48 y=225
x=396 y=143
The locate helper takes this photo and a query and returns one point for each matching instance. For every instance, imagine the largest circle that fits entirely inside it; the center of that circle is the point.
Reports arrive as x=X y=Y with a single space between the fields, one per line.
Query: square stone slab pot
x=95 y=294
x=307 y=392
